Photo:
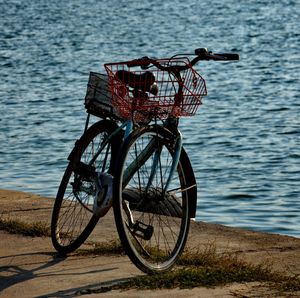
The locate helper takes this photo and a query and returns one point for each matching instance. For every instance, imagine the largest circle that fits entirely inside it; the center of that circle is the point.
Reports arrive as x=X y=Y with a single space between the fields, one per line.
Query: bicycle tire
x=152 y=226
x=73 y=218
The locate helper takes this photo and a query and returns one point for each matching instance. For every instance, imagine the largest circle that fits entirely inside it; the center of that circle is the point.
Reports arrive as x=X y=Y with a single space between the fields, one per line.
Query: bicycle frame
x=144 y=155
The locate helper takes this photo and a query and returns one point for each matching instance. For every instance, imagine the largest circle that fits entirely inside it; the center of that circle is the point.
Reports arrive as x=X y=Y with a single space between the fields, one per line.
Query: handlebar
x=201 y=54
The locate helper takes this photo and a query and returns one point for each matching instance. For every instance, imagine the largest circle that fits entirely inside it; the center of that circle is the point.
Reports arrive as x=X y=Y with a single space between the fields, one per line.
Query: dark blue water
x=244 y=142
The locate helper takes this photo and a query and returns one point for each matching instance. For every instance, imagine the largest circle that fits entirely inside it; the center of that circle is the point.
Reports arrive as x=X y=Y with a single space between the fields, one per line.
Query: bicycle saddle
x=143 y=82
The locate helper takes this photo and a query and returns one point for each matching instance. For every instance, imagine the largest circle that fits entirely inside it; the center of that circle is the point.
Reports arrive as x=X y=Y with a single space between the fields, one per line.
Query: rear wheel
x=152 y=221
x=74 y=216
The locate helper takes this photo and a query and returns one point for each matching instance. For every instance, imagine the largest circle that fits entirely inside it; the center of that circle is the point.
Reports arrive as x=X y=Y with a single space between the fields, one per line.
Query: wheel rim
x=155 y=222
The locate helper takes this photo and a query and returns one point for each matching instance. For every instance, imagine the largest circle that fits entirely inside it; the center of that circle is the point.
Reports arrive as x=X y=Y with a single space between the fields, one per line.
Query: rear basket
x=98 y=97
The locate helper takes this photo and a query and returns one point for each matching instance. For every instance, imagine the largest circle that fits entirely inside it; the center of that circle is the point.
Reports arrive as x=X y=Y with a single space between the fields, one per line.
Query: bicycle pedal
x=143 y=231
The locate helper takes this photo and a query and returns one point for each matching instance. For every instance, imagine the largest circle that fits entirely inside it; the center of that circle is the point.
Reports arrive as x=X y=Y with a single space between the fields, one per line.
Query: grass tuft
x=14 y=226
x=204 y=268
x=285 y=283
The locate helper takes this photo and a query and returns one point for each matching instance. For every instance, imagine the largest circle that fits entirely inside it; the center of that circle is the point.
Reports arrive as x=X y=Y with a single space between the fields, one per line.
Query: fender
x=191 y=183
x=80 y=143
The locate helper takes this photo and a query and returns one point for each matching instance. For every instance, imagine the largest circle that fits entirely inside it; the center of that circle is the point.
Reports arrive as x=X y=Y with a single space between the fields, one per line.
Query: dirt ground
x=30 y=267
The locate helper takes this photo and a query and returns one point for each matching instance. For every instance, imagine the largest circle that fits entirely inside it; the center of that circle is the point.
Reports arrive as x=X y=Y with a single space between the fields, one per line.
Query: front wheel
x=152 y=220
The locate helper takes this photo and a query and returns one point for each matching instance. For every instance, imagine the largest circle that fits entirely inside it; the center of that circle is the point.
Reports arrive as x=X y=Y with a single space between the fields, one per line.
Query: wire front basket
x=145 y=94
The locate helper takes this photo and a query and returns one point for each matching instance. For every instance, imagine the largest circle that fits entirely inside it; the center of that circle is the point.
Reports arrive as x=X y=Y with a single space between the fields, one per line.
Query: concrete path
x=30 y=267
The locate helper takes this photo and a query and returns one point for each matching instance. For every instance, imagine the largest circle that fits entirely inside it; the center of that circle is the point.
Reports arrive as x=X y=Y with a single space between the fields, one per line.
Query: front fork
x=176 y=157
x=175 y=161
x=172 y=125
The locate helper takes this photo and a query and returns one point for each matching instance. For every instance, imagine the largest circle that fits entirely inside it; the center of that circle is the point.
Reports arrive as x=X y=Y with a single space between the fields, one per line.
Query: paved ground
x=30 y=267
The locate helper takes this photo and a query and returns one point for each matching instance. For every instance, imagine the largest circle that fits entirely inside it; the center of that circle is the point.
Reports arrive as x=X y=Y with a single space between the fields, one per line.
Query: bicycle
x=133 y=159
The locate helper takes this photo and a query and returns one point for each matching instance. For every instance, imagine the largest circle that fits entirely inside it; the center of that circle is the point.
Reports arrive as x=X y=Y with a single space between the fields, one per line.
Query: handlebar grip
x=229 y=56
x=204 y=54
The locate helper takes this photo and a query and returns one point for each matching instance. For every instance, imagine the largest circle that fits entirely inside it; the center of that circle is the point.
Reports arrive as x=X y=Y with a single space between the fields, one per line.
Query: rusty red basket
x=140 y=94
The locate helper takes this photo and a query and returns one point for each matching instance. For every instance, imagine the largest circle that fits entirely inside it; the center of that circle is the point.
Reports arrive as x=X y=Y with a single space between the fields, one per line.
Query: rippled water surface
x=244 y=142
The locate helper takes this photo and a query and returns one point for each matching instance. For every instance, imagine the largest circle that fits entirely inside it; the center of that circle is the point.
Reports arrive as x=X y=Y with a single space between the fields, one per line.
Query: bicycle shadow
x=96 y=288
x=11 y=275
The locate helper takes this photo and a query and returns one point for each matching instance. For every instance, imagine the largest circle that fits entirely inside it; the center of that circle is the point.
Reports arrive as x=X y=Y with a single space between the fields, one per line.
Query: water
x=244 y=142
